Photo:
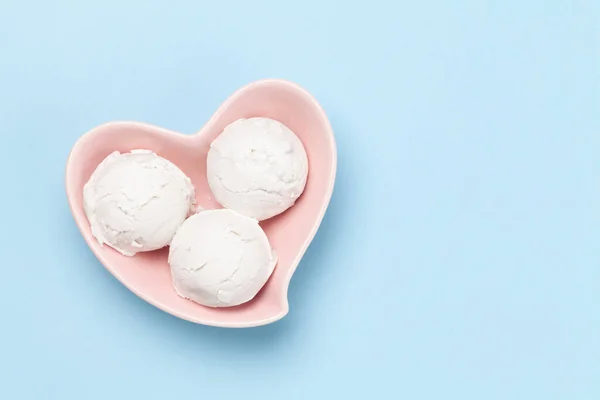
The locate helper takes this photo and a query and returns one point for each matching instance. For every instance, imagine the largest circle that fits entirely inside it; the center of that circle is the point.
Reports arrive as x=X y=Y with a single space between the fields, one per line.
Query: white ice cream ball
x=136 y=201
x=257 y=167
x=220 y=258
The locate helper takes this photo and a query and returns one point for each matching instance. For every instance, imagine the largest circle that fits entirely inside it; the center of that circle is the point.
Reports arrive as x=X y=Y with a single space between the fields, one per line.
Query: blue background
x=459 y=257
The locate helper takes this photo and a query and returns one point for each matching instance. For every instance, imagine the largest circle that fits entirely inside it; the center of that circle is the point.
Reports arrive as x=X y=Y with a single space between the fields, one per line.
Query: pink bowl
x=147 y=274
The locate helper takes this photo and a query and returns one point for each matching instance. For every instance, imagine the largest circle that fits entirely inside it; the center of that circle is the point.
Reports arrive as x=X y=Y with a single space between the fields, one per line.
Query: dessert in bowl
x=147 y=274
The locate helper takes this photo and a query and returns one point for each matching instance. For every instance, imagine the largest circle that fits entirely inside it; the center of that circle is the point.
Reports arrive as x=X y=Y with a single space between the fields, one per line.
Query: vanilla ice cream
x=136 y=201
x=257 y=167
x=220 y=258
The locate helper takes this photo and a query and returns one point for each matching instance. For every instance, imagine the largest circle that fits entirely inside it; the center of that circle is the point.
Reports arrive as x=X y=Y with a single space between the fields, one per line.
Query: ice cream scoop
x=220 y=258
x=257 y=167
x=135 y=201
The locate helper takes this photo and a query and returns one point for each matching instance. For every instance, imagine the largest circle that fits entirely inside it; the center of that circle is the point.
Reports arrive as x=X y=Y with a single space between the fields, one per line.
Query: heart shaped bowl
x=147 y=274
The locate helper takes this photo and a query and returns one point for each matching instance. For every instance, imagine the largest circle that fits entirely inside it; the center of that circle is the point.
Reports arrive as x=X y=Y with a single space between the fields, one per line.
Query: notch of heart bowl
x=147 y=274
